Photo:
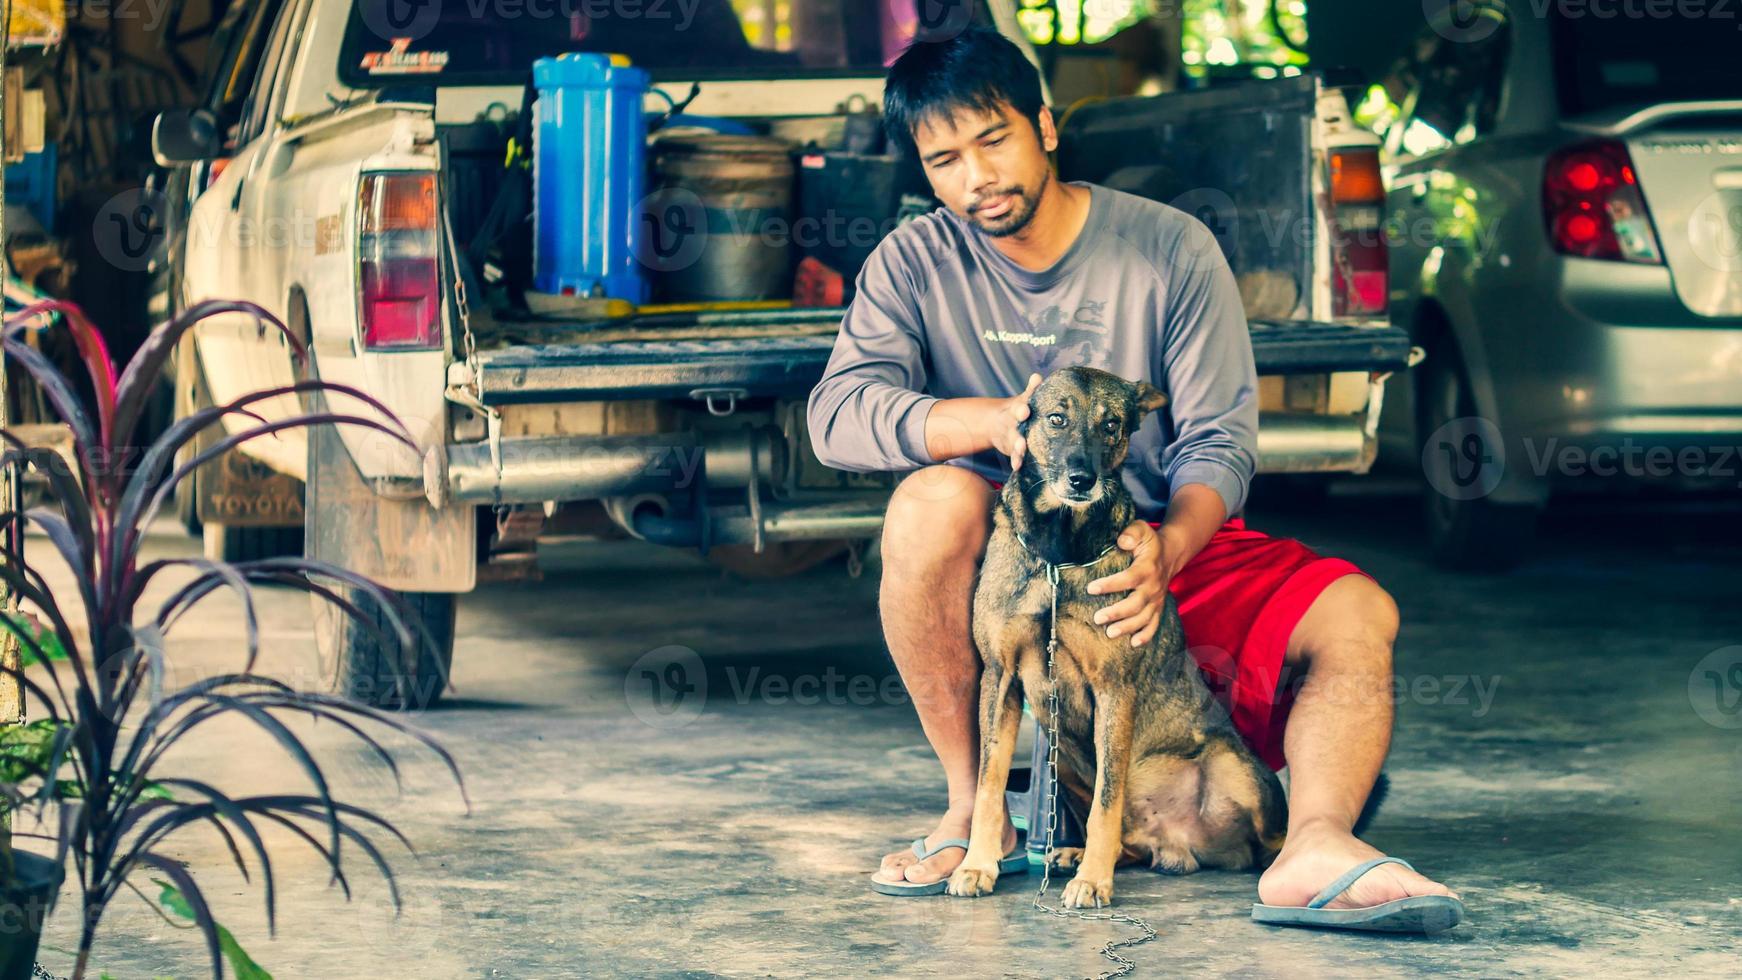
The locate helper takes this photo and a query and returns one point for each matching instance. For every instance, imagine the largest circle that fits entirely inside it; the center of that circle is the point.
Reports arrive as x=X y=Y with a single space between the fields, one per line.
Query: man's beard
x=1022 y=208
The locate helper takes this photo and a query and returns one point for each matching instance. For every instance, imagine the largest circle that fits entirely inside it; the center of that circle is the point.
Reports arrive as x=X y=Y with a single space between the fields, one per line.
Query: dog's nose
x=1080 y=481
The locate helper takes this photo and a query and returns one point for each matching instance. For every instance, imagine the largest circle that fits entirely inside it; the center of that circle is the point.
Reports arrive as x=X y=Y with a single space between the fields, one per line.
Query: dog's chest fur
x=1085 y=655
x=1020 y=607
x=1014 y=608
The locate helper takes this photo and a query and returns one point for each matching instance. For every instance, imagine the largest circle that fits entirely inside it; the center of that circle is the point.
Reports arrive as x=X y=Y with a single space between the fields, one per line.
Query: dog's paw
x=1085 y=892
x=1065 y=858
x=972 y=881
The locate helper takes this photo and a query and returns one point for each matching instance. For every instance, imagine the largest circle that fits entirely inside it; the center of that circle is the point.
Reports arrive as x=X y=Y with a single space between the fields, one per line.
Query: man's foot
x=903 y=865
x=1317 y=854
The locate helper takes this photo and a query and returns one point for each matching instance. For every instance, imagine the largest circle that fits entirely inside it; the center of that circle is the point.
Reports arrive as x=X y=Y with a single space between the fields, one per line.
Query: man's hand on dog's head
x=1006 y=418
x=1139 y=613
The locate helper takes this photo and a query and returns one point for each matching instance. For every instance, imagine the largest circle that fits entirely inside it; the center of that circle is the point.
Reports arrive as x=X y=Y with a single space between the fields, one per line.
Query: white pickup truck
x=366 y=155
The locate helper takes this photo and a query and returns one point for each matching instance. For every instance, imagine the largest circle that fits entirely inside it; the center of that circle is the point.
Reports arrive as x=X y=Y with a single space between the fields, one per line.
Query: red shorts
x=1239 y=601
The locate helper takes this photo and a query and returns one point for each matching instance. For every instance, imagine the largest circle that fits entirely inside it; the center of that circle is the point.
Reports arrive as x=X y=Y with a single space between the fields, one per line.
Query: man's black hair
x=977 y=69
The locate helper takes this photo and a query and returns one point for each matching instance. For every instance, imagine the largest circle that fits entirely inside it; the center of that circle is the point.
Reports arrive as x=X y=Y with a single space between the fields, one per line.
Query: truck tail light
x=1592 y=205
x=397 y=262
x=1360 y=260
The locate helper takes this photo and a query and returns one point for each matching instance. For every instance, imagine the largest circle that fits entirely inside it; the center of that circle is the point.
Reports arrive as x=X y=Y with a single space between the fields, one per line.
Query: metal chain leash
x=463 y=310
x=470 y=393
x=1123 y=966
x=38 y=973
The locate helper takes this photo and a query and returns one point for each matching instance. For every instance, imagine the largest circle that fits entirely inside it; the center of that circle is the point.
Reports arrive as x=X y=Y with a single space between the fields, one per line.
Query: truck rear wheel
x=235 y=543
x=382 y=672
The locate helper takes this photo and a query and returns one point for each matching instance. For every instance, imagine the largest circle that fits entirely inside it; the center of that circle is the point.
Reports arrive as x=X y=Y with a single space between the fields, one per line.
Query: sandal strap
x=1349 y=877
x=920 y=852
x=919 y=849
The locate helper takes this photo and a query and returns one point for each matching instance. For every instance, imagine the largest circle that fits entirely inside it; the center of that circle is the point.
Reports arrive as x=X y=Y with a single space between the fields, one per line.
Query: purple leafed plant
x=112 y=720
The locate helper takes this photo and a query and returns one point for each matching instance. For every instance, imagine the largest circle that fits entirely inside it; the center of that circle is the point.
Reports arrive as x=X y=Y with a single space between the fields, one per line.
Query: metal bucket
x=736 y=191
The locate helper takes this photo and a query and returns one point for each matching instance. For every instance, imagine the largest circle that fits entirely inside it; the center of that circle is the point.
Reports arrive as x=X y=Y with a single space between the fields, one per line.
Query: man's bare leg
x=934 y=535
x=1338 y=733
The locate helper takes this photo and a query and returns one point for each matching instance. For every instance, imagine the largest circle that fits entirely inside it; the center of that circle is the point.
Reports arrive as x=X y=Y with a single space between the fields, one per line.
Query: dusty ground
x=1551 y=763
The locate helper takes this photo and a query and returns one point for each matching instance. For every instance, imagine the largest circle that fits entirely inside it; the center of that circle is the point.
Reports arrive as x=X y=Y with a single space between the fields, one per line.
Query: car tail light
x=1360 y=263
x=1592 y=206
x=397 y=262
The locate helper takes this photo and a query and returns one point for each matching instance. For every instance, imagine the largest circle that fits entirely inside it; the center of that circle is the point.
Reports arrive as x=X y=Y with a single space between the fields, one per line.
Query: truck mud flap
x=402 y=544
x=237 y=491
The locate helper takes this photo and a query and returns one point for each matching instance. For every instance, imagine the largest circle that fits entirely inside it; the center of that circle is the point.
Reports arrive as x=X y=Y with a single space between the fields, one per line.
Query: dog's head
x=1079 y=424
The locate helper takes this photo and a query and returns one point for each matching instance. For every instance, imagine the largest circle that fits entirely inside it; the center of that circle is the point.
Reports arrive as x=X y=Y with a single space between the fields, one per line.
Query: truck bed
x=791 y=363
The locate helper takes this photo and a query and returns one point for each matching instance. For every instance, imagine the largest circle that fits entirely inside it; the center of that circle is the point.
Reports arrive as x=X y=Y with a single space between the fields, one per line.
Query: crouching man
x=956 y=316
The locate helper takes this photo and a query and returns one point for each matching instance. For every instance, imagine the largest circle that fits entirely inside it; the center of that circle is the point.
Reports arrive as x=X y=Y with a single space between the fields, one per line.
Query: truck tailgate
x=790 y=365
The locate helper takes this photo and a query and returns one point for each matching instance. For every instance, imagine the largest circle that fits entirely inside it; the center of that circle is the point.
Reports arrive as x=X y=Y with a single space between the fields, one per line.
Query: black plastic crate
x=847 y=202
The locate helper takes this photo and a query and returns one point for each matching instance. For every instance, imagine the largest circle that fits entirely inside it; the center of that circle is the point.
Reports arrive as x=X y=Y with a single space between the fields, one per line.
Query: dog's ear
x=1147 y=398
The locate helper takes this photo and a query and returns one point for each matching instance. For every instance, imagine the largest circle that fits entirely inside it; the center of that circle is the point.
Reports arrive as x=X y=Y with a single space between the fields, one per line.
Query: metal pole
x=11 y=686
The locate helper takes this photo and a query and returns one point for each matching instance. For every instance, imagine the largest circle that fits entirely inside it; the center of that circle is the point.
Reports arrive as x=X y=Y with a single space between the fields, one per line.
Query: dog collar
x=1067 y=564
x=1085 y=564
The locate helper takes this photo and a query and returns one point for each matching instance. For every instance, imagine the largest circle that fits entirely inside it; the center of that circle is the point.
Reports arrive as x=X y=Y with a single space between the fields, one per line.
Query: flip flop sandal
x=1014 y=863
x=1424 y=914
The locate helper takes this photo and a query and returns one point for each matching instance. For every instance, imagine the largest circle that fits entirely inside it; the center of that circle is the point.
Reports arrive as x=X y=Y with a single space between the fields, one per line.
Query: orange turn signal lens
x=1355 y=177
x=398 y=202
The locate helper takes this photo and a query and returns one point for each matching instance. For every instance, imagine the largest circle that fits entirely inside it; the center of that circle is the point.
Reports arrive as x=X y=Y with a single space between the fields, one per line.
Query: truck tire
x=361 y=665
x=1473 y=534
x=375 y=669
x=234 y=543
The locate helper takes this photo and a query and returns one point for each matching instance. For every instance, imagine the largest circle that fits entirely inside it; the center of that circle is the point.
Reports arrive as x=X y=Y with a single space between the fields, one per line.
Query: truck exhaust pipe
x=540 y=468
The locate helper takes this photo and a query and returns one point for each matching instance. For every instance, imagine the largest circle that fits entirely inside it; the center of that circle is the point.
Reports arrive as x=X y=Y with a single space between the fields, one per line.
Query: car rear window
x=1637 y=58
x=483 y=42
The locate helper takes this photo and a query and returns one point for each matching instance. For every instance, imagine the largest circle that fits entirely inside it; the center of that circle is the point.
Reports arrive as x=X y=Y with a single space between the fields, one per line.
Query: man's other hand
x=1005 y=417
x=1138 y=614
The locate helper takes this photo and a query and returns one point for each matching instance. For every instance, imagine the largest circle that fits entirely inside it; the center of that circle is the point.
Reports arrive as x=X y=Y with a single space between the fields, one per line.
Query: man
x=954 y=312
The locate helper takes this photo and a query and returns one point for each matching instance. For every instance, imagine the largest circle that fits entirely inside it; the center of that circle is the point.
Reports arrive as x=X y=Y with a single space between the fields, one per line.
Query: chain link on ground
x=1122 y=966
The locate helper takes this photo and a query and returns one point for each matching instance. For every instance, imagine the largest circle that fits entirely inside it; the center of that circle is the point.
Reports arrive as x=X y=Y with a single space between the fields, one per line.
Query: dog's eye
x=1056 y=420
x=1111 y=426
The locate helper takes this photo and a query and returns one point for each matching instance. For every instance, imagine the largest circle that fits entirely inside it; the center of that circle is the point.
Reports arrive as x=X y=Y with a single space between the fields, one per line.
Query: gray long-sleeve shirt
x=1143 y=292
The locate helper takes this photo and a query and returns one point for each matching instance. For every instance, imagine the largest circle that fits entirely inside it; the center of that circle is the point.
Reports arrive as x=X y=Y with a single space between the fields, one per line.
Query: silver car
x=1565 y=220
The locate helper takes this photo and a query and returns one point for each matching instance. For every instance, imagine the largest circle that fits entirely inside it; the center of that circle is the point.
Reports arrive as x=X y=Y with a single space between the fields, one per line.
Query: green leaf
x=27 y=749
x=44 y=637
x=240 y=962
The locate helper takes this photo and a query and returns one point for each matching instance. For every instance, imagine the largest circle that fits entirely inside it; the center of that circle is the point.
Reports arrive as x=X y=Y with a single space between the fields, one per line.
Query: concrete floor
x=1549 y=763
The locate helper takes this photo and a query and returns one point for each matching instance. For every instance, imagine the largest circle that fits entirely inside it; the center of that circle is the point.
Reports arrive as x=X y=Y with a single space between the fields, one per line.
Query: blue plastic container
x=589 y=175
x=30 y=182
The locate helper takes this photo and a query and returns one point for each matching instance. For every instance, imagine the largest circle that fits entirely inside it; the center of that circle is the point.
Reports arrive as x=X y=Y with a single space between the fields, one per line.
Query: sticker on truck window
x=399 y=59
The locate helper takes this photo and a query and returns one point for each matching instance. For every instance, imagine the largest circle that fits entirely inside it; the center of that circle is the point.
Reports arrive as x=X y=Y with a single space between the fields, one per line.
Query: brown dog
x=1143 y=747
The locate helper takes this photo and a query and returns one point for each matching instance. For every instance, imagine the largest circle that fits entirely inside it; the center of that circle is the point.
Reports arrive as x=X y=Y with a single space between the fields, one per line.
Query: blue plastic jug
x=588 y=177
